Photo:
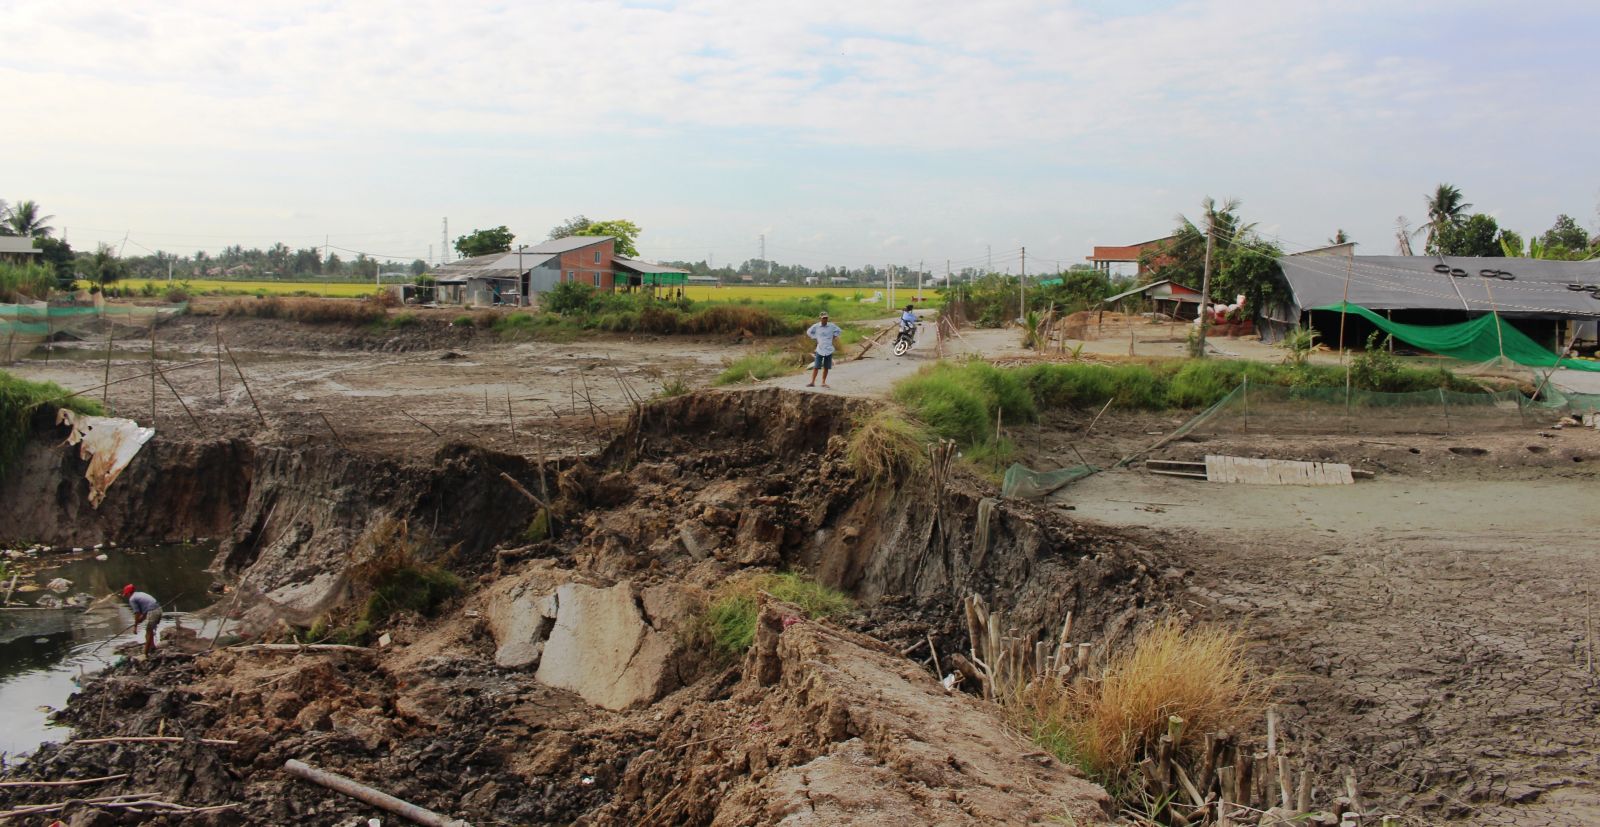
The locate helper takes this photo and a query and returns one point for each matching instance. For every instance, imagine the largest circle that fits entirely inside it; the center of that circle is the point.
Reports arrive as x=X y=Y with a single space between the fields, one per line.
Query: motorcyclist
x=908 y=321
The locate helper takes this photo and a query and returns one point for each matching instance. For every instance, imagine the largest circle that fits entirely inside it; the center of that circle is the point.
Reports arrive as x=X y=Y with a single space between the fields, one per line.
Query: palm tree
x=24 y=219
x=1445 y=209
x=5 y=213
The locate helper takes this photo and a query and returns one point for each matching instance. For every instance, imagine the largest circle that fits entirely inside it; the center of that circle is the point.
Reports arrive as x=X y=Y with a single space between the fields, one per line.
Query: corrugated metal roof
x=557 y=246
x=1512 y=286
x=638 y=266
x=1151 y=286
x=16 y=244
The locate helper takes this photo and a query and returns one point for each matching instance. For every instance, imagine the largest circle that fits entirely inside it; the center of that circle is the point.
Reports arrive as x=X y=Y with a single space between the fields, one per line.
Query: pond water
x=45 y=652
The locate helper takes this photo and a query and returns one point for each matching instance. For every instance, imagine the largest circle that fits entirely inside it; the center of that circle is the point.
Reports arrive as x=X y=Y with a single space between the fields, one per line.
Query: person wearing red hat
x=146 y=611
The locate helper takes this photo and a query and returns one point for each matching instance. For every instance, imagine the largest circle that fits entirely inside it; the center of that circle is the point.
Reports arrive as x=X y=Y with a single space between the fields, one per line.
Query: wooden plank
x=1248 y=471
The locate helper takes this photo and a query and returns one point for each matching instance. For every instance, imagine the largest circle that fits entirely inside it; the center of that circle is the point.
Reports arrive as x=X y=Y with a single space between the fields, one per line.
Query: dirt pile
x=569 y=683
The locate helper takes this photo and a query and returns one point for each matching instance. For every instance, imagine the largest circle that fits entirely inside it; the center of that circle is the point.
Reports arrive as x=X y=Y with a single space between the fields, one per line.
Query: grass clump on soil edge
x=1107 y=725
x=19 y=399
x=730 y=619
x=886 y=446
x=392 y=576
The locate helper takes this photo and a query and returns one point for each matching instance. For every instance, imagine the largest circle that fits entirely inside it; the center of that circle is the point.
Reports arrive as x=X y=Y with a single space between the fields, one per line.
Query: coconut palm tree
x=24 y=219
x=1445 y=209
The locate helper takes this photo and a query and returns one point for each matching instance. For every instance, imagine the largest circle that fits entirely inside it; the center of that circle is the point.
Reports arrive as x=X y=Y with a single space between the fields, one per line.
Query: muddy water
x=44 y=652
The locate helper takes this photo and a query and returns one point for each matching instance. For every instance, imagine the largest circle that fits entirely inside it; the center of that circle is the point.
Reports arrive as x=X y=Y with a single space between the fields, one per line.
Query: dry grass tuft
x=313 y=311
x=887 y=446
x=1105 y=726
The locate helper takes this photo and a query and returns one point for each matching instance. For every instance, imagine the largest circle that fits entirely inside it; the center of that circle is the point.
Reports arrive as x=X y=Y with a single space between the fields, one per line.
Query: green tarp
x=1473 y=341
x=1026 y=483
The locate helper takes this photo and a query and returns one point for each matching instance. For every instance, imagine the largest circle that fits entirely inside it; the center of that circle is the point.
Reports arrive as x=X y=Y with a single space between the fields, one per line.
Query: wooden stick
x=331 y=429
x=1097 y=416
x=217 y=329
x=192 y=417
x=244 y=382
x=111 y=337
x=153 y=371
x=420 y=422
x=510 y=418
x=62 y=783
x=361 y=792
x=937 y=672
x=297 y=647
x=153 y=739
x=1285 y=782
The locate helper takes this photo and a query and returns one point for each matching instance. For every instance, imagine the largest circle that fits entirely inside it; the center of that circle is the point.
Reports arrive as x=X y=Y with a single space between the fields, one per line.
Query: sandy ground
x=1435 y=634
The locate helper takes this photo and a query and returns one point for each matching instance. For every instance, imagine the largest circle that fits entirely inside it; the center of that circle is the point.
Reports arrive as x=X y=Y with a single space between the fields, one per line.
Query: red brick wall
x=582 y=262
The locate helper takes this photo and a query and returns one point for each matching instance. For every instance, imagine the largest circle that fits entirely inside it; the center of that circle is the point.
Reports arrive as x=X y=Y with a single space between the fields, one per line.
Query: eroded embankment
x=573 y=679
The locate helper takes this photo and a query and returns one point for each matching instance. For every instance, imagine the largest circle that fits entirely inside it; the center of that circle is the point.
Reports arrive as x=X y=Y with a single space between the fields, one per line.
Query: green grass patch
x=20 y=399
x=731 y=617
x=961 y=401
x=756 y=367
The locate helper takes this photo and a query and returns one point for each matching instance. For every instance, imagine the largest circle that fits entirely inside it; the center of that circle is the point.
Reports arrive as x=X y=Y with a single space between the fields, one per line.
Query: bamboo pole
x=245 y=382
x=175 y=394
x=105 y=390
x=362 y=792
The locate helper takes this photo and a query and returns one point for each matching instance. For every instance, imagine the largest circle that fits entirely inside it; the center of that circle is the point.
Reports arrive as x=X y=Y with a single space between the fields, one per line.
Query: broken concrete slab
x=602 y=648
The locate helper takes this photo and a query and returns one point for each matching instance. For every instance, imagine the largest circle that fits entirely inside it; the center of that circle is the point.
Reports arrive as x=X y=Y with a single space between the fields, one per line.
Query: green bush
x=570 y=298
x=406 y=319
x=731 y=617
x=960 y=401
x=463 y=320
x=20 y=282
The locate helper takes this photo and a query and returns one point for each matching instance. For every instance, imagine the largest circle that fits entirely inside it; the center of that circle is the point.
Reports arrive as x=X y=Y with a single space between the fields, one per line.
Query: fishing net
x=1481 y=340
x=1026 y=483
x=25 y=326
x=1275 y=409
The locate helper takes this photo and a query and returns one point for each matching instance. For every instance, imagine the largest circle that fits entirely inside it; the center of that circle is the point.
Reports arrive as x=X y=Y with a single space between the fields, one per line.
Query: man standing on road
x=827 y=335
x=145 y=610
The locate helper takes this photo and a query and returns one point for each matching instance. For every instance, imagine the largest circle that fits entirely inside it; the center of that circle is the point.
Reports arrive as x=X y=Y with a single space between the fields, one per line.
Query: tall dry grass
x=886 y=447
x=1107 y=724
x=313 y=311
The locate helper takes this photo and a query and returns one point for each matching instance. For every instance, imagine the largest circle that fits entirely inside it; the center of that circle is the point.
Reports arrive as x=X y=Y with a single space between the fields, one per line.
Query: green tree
x=418 y=267
x=1242 y=263
x=1566 y=234
x=26 y=219
x=571 y=227
x=103 y=266
x=1477 y=235
x=484 y=242
x=57 y=254
x=1339 y=237
x=1446 y=209
x=621 y=229
x=1511 y=244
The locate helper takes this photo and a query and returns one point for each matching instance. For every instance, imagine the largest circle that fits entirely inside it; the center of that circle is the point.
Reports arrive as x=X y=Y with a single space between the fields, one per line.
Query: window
x=597 y=278
x=572 y=275
x=596 y=256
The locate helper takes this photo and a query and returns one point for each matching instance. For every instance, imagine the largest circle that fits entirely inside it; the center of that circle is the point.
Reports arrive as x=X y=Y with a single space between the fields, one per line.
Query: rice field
x=333 y=289
x=768 y=292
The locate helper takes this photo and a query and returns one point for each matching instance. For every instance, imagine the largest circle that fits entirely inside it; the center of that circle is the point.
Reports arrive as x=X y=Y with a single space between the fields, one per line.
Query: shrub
x=733 y=318
x=25 y=281
x=463 y=320
x=1105 y=726
x=392 y=571
x=407 y=319
x=960 y=402
x=571 y=298
x=731 y=617
x=177 y=295
x=1300 y=342
x=754 y=368
x=886 y=447
x=1376 y=368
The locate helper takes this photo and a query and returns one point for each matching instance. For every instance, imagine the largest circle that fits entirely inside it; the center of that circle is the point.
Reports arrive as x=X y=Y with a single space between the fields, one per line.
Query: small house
x=514 y=277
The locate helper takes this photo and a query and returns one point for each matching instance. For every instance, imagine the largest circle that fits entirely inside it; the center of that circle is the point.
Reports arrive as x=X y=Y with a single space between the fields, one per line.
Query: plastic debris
x=108 y=443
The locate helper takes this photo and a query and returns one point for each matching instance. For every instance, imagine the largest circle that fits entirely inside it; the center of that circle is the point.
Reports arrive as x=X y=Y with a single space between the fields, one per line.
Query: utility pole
x=764 y=252
x=919 y=280
x=1022 y=287
x=444 y=241
x=988 y=252
x=1205 y=282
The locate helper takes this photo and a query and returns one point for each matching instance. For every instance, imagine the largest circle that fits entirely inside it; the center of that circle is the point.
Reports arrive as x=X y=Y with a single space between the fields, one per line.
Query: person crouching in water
x=146 y=611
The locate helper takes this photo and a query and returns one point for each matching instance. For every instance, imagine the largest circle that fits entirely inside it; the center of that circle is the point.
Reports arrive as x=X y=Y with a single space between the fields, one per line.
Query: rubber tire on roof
x=1441 y=268
x=1458 y=272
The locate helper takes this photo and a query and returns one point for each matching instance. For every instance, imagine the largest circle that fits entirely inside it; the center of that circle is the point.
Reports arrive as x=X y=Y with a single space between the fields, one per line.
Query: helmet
x=127 y=591
x=908 y=307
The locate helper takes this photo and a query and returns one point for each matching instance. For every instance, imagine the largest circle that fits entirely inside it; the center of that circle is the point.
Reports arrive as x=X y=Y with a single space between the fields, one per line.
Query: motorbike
x=905 y=339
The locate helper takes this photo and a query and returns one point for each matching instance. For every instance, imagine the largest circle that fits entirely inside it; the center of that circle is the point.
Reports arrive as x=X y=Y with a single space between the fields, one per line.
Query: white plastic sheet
x=108 y=443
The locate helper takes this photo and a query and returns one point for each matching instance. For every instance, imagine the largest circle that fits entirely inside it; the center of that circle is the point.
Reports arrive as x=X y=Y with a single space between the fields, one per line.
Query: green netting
x=1022 y=481
x=1275 y=409
x=1577 y=403
x=1480 y=340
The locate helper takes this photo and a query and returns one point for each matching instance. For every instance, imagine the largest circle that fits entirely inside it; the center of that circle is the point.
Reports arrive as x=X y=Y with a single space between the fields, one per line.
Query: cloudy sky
x=848 y=132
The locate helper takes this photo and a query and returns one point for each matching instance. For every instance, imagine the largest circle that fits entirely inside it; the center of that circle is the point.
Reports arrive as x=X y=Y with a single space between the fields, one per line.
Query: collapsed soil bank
x=694 y=490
